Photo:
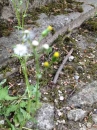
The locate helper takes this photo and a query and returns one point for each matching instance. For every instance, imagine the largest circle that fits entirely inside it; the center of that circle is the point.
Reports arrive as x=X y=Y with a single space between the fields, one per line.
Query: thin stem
x=23 y=15
x=24 y=68
x=17 y=13
x=37 y=72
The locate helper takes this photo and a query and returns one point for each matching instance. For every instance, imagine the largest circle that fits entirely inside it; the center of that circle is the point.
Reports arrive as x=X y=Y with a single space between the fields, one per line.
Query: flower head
x=35 y=43
x=46 y=46
x=50 y=28
x=28 y=35
x=26 y=32
x=56 y=54
x=46 y=64
x=20 y=50
x=46 y=31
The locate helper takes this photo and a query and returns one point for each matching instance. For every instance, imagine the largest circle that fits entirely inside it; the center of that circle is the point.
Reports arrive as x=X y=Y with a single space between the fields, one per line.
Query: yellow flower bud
x=50 y=28
x=56 y=54
x=46 y=64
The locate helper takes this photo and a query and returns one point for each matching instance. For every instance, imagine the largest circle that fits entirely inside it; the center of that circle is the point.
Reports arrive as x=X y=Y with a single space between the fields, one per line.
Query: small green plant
x=20 y=12
x=23 y=107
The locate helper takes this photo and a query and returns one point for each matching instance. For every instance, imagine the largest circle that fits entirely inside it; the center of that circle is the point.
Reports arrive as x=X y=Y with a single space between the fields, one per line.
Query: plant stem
x=24 y=68
x=17 y=13
x=24 y=13
x=37 y=72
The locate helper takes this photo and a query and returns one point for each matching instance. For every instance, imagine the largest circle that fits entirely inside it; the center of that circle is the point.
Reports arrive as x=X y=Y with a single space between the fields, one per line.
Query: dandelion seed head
x=20 y=50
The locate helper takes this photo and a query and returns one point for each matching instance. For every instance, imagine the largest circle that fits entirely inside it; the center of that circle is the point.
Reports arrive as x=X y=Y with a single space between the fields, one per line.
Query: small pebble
x=61 y=98
x=59 y=91
x=71 y=58
x=79 y=69
x=89 y=125
x=60 y=113
x=63 y=122
x=76 y=77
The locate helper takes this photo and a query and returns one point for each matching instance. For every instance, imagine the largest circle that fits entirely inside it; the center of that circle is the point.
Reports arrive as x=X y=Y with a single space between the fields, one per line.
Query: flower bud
x=35 y=43
x=46 y=64
x=45 y=33
x=46 y=46
x=49 y=28
x=56 y=54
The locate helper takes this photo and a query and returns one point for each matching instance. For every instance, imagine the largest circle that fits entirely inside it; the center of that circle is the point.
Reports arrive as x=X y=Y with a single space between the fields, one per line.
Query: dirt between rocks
x=75 y=75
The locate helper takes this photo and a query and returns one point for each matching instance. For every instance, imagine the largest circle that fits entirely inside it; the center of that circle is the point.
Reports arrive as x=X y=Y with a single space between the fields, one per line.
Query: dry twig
x=61 y=66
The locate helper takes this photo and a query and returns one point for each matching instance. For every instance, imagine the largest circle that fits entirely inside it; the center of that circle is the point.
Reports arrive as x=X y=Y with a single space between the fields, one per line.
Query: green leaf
x=19 y=116
x=4 y=94
x=10 y=109
x=25 y=114
x=48 y=51
x=23 y=104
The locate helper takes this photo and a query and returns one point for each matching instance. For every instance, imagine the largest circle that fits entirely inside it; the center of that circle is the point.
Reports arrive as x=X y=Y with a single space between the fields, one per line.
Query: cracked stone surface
x=86 y=97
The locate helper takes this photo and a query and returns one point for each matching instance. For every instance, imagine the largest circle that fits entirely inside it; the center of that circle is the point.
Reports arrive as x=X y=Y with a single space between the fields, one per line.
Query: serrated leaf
x=4 y=94
x=19 y=116
x=10 y=109
x=23 y=104
x=25 y=114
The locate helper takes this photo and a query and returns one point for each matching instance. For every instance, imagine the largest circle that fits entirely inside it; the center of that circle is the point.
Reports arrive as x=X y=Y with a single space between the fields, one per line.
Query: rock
x=94 y=118
x=89 y=125
x=2 y=4
x=7 y=12
x=45 y=117
x=76 y=114
x=71 y=58
x=80 y=69
x=82 y=127
x=86 y=96
x=29 y=124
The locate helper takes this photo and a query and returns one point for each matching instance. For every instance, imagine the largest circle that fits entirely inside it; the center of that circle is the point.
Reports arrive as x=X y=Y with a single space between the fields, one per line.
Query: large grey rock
x=7 y=12
x=94 y=118
x=45 y=117
x=76 y=114
x=86 y=97
x=2 y=4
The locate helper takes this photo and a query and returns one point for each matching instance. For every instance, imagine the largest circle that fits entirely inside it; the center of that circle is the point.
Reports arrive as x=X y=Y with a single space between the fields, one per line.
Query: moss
x=55 y=8
x=69 y=1
x=4 y=31
x=91 y=24
x=79 y=9
x=4 y=71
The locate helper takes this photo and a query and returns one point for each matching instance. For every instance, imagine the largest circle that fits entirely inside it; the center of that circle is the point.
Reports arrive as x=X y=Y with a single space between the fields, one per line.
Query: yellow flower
x=46 y=64
x=56 y=54
x=49 y=28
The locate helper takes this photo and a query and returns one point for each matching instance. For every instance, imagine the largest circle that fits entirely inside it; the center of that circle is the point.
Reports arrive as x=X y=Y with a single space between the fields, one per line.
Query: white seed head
x=35 y=43
x=27 y=35
x=26 y=32
x=46 y=46
x=20 y=50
